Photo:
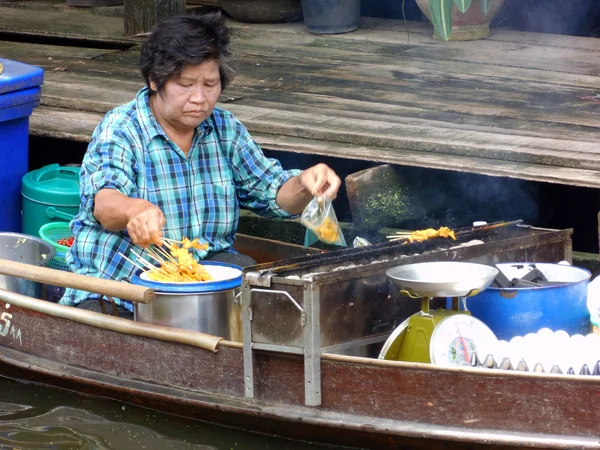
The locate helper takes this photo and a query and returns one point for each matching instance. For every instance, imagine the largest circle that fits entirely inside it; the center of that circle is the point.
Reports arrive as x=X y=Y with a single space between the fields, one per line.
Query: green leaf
x=463 y=5
x=485 y=5
x=441 y=17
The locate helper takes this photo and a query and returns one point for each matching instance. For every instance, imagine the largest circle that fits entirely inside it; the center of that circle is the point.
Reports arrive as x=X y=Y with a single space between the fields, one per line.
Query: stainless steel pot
x=24 y=249
x=215 y=313
x=209 y=307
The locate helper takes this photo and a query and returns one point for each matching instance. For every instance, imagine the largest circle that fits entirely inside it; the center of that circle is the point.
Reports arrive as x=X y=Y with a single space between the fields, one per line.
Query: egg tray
x=505 y=364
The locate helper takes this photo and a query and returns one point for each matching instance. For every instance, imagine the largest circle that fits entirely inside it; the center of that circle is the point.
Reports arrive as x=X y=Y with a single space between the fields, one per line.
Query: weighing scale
x=440 y=336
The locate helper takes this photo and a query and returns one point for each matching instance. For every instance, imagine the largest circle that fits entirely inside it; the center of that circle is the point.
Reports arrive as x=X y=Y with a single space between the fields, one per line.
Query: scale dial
x=457 y=338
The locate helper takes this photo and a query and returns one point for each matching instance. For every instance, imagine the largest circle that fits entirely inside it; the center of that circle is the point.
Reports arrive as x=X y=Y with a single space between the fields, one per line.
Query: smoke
x=456 y=199
x=572 y=17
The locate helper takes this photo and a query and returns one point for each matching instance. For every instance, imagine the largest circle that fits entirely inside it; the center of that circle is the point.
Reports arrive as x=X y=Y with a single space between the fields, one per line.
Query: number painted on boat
x=5 y=319
x=8 y=328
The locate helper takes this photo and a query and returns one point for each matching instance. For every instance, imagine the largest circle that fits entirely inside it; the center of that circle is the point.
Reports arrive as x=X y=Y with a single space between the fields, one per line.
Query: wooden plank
x=49 y=56
x=63 y=124
x=483 y=166
x=495 y=53
x=62 y=24
x=373 y=29
x=71 y=92
x=78 y=125
x=534 y=102
x=491 y=101
x=355 y=109
x=256 y=47
x=396 y=99
x=337 y=106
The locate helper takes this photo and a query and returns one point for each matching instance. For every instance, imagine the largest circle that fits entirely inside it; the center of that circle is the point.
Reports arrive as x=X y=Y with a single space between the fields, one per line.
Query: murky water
x=38 y=417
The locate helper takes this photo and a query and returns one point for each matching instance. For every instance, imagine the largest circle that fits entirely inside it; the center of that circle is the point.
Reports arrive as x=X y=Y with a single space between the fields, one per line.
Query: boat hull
x=365 y=403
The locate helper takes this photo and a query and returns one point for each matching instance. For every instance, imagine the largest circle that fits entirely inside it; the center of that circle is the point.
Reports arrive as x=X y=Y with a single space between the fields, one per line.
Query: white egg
x=517 y=350
x=561 y=343
x=501 y=350
x=592 y=348
x=577 y=352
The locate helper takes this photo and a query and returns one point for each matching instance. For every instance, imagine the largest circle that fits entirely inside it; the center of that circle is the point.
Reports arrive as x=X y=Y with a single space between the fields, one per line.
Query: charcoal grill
x=342 y=301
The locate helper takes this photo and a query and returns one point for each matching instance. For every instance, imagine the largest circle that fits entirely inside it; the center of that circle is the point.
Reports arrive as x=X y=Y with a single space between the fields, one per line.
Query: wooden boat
x=362 y=402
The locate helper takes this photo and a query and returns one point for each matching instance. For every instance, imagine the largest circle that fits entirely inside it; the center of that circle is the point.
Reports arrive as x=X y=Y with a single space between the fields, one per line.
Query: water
x=43 y=418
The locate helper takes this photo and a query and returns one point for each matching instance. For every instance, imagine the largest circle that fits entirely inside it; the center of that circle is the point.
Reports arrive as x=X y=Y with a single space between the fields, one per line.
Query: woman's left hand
x=321 y=180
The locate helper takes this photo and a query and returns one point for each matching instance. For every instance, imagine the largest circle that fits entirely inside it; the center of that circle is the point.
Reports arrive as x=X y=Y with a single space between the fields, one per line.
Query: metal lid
x=228 y=276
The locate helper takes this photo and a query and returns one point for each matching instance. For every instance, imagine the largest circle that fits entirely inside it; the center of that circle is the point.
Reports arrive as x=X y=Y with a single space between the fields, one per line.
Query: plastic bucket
x=331 y=16
x=50 y=194
x=19 y=95
x=511 y=312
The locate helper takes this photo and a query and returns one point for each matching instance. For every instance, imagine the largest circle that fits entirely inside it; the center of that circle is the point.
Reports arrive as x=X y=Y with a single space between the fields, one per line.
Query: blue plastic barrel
x=511 y=312
x=19 y=93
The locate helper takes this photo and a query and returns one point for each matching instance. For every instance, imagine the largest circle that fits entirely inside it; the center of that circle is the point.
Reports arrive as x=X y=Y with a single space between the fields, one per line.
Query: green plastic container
x=50 y=194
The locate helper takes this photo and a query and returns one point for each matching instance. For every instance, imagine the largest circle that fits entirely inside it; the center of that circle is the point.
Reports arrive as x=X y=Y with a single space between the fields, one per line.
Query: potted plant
x=460 y=20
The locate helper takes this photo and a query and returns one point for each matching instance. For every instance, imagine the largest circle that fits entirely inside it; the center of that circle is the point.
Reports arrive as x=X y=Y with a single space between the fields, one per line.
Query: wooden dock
x=517 y=104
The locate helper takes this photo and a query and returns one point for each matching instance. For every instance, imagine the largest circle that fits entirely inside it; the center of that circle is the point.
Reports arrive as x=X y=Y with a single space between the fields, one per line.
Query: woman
x=171 y=164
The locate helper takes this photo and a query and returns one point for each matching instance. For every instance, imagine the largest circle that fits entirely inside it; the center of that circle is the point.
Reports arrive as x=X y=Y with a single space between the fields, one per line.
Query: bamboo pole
x=62 y=278
x=112 y=323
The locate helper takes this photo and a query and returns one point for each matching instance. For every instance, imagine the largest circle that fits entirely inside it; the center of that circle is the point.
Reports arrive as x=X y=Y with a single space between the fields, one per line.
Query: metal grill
x=342 y=301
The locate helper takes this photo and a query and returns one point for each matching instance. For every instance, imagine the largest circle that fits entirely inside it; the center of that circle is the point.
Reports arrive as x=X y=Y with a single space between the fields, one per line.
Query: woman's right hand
x=145 y=224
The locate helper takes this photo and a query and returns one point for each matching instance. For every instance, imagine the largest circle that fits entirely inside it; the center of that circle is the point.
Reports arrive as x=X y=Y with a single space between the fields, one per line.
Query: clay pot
x=473 y=24
x=263 y=11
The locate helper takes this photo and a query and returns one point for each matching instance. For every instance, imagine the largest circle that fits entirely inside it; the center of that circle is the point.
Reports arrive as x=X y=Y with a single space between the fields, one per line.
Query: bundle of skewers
x=422 y=235
x=399 y=236
x=175 y=262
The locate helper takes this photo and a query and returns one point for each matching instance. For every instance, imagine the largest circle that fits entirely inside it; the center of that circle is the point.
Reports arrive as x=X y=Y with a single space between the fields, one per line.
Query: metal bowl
x=442 y=279
x=24 y=249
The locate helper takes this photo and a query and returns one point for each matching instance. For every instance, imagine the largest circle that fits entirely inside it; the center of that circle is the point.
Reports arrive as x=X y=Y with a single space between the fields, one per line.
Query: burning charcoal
x=585 y=370
x=534 y=276
x=538 y=368
x=555 y=369
x=501 y=280
x=505 y=364
x=522 y=366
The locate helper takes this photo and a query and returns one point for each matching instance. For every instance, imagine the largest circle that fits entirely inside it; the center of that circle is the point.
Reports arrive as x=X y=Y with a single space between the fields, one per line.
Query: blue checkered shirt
x=200 y=195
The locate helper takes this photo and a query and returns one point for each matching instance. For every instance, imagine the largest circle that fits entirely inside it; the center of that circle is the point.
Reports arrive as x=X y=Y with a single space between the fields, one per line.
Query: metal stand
x=309 y=320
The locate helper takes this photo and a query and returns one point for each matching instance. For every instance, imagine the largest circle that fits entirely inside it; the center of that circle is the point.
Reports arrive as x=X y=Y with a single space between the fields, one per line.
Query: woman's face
x=187 y=100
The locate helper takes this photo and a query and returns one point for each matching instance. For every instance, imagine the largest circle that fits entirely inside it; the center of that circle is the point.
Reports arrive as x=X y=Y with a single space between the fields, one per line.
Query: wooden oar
x=62 y=278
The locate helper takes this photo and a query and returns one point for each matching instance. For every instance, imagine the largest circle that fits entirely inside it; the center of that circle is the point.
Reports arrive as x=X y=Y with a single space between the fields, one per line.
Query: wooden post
x=142 y=15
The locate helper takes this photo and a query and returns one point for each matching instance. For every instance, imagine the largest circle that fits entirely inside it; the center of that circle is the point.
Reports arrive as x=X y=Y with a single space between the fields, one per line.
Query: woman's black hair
x=185 y=40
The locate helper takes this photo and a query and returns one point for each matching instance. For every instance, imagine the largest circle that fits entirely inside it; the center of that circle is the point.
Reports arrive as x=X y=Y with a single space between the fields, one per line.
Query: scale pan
x=442 y=279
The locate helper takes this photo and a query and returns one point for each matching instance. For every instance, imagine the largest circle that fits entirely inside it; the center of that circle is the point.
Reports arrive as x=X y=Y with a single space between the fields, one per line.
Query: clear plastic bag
x=360 y=242
x=320 y=219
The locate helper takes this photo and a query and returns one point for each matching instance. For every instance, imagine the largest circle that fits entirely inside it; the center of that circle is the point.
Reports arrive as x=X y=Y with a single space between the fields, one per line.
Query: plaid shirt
x=200 y=195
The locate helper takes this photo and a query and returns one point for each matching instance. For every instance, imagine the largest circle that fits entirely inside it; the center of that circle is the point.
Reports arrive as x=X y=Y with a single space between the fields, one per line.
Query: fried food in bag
x=319 y=217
